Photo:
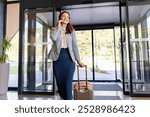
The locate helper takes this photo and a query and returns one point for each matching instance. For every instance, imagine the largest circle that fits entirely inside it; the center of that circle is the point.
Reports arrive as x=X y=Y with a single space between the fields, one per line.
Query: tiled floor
x=99 y=95
x=13 y=95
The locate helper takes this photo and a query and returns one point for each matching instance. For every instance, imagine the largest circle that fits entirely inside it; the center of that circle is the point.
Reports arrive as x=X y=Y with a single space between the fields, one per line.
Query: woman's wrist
x=80 y=63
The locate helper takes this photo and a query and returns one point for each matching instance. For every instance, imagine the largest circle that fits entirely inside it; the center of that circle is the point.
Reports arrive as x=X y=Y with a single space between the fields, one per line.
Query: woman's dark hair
x=69 y=28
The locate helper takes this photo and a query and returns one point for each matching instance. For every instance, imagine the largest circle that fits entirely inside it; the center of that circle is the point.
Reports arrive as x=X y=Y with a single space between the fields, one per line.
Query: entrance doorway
x=98 y=50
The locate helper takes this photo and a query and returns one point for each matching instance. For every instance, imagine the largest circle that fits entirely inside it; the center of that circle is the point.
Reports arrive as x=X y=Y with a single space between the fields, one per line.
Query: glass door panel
x=38 y=74
x=84 y=40
x=104 y=61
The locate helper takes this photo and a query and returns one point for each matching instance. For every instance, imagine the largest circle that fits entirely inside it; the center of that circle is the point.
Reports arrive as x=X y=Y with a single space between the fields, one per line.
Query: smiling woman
x=64 y=54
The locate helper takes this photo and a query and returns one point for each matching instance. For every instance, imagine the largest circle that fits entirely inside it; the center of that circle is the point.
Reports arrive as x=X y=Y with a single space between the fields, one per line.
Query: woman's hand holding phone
x=60 y=22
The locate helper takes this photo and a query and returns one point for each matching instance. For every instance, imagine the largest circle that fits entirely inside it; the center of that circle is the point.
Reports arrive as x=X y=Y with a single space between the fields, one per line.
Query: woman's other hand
x=81 y=64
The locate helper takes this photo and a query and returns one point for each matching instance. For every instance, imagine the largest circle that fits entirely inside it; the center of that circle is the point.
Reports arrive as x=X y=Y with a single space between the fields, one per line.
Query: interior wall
x=12 y=20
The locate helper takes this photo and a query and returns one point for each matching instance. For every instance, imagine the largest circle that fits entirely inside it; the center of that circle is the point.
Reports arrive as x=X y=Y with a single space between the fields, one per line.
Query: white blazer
x=56 y=47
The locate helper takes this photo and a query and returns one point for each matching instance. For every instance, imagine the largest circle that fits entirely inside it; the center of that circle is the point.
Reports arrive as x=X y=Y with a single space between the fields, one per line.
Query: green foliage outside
x=14 y=70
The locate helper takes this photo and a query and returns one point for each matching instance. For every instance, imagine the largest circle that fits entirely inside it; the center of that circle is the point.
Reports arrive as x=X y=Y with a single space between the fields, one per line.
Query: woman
x=64 y=53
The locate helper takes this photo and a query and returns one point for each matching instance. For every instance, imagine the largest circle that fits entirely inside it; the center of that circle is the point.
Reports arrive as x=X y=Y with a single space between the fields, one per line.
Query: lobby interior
x=113 y=38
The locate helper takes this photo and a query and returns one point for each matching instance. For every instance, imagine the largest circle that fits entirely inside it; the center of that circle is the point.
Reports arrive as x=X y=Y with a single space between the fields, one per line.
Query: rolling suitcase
x=83 y=90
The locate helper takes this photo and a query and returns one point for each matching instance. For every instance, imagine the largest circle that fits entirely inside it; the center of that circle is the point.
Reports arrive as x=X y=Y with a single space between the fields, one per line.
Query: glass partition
x=38 y=72
x=139 y=22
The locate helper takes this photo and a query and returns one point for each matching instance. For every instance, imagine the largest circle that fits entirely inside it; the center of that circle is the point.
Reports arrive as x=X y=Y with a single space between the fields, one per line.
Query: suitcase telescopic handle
x=85 y=76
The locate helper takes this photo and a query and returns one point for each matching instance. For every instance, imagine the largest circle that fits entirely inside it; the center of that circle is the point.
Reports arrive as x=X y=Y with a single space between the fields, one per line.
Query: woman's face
x=65 y=18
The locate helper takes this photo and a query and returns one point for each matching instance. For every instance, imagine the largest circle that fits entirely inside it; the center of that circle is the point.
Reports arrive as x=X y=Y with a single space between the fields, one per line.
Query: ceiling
x=89 y=14
x=94 y=14
x=99 y=13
